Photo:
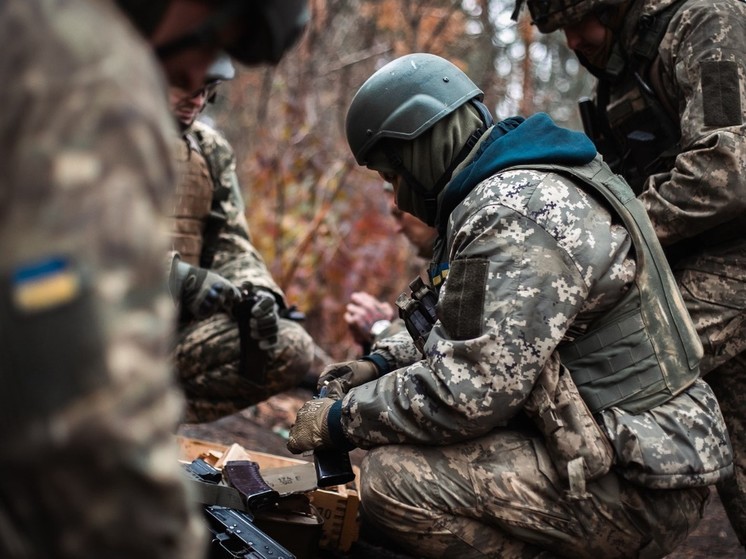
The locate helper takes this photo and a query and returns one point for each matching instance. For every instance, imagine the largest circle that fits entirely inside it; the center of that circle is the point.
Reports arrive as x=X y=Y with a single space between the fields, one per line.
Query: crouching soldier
x=557 y=407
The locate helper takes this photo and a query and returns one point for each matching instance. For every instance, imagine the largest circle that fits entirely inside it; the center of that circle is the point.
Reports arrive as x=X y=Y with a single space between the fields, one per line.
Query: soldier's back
x=87 y=401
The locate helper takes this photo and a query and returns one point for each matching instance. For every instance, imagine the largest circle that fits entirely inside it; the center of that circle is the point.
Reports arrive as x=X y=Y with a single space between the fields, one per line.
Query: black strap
x=650 y=32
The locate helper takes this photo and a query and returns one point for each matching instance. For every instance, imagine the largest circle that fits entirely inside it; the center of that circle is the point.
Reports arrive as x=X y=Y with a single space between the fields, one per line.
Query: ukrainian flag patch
x=438 y=274
x=44 y=285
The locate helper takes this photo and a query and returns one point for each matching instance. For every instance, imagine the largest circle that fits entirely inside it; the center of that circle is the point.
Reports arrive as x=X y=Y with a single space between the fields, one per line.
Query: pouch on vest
x=568 y=426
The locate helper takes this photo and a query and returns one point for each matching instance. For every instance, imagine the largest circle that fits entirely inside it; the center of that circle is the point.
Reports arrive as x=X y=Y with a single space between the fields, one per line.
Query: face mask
x=428 y=156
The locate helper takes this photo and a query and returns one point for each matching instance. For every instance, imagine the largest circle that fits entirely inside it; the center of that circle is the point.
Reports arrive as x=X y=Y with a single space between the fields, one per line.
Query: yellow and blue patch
x=438 y=274
x=44 y=285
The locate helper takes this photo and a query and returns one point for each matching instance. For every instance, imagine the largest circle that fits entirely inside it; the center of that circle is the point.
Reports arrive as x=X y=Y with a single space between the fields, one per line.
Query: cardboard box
x=338 y=506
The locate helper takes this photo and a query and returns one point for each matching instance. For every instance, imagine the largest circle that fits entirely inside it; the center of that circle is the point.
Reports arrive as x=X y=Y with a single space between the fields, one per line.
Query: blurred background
x=321 y=222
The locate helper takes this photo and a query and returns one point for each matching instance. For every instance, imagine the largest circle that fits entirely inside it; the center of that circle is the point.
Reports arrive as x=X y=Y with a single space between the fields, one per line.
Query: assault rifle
x=594 y=129
x=234 y=534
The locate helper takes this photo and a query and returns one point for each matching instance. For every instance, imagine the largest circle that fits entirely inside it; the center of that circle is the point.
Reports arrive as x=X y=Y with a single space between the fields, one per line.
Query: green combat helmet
x=550 y=15
x=404 y=99
x=268 y=27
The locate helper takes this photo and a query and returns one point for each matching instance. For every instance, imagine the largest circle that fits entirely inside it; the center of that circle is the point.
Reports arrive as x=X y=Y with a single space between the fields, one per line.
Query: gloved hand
x=200 y=291
x=263 y=324
x=311 y=428
x=339 y=378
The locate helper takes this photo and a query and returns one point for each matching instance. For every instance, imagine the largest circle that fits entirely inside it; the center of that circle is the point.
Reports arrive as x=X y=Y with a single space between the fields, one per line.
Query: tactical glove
x=339 y=378
x=311 y=428
x=200 y=291
x=263 y=324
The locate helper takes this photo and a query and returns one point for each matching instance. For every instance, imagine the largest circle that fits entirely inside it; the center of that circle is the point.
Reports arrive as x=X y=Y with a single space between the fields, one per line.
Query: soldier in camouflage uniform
x=88 y=403
x=669 y=115
x=211 y=236
x=556 y=407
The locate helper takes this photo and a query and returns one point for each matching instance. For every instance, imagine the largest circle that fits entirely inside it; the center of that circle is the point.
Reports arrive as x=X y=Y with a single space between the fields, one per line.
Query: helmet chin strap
x=430 y=196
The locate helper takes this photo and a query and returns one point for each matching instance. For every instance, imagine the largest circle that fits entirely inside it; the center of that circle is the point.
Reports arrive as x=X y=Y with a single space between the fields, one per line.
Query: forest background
x=321 y=222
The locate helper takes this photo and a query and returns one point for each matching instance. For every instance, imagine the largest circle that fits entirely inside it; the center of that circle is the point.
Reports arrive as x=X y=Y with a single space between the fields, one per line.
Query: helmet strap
x=517 y=10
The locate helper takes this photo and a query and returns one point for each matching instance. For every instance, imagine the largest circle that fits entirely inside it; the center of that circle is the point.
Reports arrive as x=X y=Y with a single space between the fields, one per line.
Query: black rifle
x=252 y=358
x=234 y=534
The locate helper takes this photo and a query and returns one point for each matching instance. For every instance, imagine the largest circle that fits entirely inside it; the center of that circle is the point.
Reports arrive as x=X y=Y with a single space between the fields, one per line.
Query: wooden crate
x=338 y=506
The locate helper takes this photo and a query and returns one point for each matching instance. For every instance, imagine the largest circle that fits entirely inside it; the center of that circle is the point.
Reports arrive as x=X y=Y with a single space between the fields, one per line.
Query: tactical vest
x=645 y=350
x=194 y=193
x=216 y=217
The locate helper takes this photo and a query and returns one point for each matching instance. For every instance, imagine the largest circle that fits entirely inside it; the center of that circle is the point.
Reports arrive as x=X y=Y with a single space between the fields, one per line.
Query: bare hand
x=362 y=312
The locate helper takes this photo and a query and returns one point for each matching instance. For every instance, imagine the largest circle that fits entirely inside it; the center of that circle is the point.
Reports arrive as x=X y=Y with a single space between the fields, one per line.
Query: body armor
x=194 y=194
x=641 y=353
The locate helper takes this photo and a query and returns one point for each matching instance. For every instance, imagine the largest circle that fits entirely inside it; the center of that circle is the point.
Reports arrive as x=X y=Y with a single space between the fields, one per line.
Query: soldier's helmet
x=550 y=15
x=404 y=99
x=268 y=27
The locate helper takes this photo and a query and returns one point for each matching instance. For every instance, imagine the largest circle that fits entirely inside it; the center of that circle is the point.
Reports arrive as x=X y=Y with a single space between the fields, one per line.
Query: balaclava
x=428 y=156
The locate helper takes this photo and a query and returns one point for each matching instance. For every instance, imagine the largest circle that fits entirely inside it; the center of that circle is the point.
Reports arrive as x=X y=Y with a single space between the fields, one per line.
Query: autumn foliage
x=320 y=221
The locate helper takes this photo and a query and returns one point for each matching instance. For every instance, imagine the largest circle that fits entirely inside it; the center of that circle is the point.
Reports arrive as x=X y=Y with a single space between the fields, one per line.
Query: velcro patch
x=463 y=300
x=721 y=93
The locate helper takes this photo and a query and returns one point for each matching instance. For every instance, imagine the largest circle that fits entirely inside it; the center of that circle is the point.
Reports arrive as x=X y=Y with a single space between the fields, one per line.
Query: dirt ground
x=264 y=428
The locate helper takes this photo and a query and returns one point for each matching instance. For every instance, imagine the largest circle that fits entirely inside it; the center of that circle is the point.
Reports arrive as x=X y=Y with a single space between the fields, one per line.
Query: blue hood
x=516 y=141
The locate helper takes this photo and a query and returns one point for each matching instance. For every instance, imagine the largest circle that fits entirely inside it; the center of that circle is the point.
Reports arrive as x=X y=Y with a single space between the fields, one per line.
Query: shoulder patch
x=722 y=92
x=44 y=284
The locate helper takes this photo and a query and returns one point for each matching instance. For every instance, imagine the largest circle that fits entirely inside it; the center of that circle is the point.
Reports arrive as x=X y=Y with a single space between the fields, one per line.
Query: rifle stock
x=234 y=534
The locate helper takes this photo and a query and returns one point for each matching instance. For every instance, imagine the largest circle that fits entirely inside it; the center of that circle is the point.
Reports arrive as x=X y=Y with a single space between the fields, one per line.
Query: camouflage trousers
x=714 y=289
x=207 y=357
x=500 y=496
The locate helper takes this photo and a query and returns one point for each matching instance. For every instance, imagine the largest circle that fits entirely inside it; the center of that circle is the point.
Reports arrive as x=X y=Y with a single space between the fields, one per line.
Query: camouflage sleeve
x=236 y=258
x=704 y=67
x=89 y=406
x=514 y=285
x=396 y=346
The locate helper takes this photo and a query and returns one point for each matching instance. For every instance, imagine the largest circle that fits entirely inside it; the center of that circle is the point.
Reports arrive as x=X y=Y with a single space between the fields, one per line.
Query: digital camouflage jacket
x=534 y=260
x=698 y=72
